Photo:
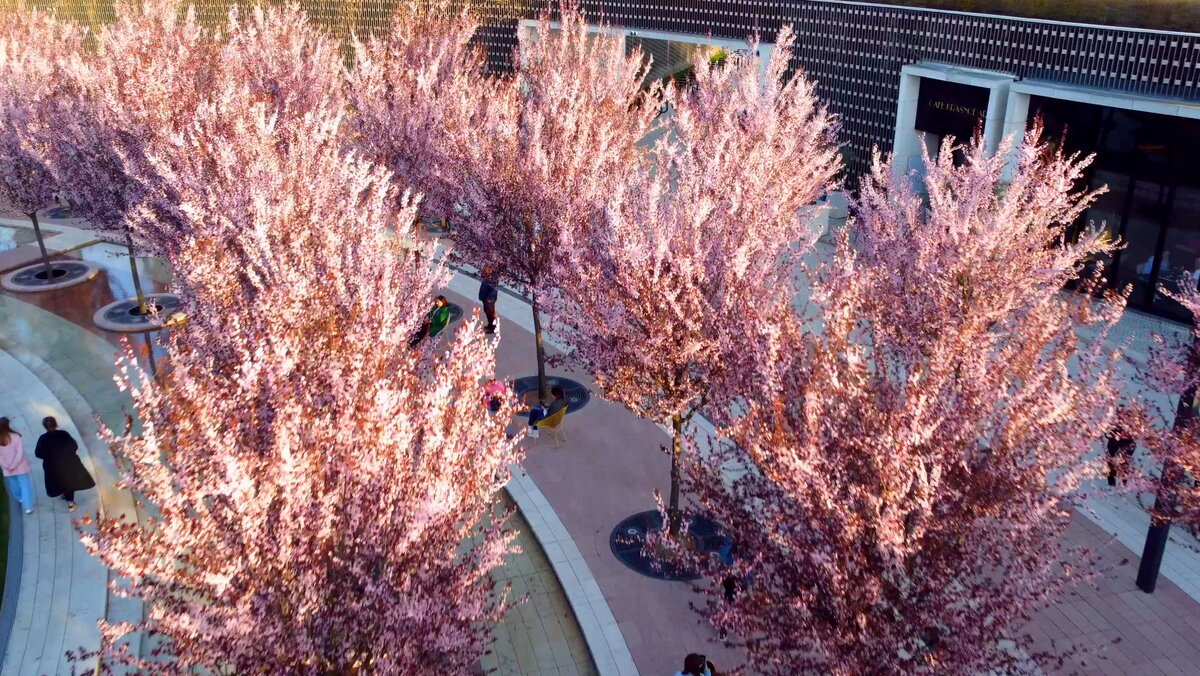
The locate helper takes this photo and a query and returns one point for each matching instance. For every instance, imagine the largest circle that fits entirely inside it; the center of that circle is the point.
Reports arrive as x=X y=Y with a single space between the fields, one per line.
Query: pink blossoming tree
x=416 y=92
x=696 y=259
x=151 y=67
x=1173 y=438
x=537 y=175
x=322 y=495
x=94 y=160
x=275 y=56
x=289 y=62
x=899 y=487
x=32 y=45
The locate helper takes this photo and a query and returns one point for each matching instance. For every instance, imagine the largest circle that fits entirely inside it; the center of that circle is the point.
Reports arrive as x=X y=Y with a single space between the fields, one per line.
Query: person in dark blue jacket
x=487 y=295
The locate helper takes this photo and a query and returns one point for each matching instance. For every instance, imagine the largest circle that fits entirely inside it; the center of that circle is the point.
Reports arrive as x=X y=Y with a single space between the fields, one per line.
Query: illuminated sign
x=951 y=109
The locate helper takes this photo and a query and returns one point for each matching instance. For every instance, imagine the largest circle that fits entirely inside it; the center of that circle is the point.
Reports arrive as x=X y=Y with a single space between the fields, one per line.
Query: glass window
x=1139 y=264
x=1107 y=211
x=1149 y=164
x=1182 y=248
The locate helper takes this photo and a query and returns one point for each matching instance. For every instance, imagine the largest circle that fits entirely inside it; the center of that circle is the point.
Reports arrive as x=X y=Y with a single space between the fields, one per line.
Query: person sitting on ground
x=435 y=321
x=540 y=413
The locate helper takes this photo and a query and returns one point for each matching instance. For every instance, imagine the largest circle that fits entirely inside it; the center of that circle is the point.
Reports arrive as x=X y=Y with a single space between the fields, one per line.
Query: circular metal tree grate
x=574 y=392
x=628 y=544
x=123 y=315
x=62 y=273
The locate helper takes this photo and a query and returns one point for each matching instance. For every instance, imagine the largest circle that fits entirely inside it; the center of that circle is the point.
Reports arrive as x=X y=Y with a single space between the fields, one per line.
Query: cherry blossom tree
x=152 y=65
x=696 y=258
x=322 y=495
x=92 y=158
x=31 y=45
x=150 y=68
x=275 y=56
x=289 y=62
x=537 y=174
x=416 y=92
x=1171 y=436
x=900 y=484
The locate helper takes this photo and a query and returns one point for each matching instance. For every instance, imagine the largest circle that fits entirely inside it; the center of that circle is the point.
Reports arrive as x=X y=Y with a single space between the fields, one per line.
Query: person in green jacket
x=435 y=321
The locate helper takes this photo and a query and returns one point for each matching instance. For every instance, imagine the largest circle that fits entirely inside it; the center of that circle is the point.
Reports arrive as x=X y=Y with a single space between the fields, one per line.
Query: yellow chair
x=554 y=423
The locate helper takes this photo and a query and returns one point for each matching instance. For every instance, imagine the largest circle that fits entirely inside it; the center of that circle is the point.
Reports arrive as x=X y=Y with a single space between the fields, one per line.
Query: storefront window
x=1153 y=202
x=949 y=109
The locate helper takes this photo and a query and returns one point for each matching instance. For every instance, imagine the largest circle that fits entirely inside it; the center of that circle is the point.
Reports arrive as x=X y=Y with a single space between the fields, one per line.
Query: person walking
x=16 y=466
x=1120 y=453
x=488 y=293
x=65 y=473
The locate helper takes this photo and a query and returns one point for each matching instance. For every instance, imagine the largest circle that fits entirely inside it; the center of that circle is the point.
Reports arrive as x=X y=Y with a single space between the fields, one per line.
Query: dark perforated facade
x=855 y=50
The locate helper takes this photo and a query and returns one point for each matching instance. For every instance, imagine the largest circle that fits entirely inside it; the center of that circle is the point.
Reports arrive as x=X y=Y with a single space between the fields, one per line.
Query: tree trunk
x=1164 y=507
x=150 y=355
x=543 y=392
x=37 y=232
x=674 y=515
x=137 y=280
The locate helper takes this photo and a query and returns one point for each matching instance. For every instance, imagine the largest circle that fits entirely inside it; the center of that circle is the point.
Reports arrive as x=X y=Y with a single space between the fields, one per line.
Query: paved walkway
x=610 y=467
x=607 y=470
x=62 y=589
x=54 y=361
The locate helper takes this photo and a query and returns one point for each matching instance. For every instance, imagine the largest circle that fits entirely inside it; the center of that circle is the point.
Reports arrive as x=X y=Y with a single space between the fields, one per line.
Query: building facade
x=903 y=78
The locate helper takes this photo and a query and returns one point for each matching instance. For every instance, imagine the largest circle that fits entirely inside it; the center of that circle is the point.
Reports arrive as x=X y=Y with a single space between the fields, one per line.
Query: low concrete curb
x=12 y=576
x=603 y=636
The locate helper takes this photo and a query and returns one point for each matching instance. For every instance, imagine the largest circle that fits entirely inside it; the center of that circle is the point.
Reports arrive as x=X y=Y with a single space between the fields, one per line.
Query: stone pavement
x=54 y=361
x=1116 y=627
x=607 y=470
x=610 y=467
x=62 y=589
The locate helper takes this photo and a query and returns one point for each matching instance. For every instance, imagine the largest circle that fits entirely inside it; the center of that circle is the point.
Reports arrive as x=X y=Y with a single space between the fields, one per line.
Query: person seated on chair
x=540 y=413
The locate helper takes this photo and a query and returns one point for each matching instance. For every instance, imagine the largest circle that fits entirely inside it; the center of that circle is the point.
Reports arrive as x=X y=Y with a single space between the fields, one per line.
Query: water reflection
x=79 y=303
x=11 y=238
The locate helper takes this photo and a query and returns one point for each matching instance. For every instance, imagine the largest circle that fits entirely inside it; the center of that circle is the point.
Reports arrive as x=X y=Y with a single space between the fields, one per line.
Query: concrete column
x=765 y=51
x=907 y=141
x=1016 y=117
x=993 y=124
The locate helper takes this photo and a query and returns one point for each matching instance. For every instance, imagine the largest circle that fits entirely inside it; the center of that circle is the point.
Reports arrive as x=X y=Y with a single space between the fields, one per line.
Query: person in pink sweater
x=15 y=465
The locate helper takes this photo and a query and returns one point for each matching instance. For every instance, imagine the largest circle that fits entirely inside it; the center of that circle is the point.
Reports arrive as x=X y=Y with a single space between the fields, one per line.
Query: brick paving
x=610 y=467
x=1116 y=627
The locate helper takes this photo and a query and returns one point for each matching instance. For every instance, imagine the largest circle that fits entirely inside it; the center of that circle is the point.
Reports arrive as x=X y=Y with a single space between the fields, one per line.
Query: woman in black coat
x=65 y=472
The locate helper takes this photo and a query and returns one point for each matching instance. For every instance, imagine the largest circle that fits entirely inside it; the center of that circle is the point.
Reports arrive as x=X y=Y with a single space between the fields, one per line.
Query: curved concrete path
x=62 y=589
x=48 y=337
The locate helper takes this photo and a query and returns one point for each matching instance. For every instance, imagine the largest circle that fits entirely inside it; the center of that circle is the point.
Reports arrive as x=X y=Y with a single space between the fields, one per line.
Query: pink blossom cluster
x=316 y=497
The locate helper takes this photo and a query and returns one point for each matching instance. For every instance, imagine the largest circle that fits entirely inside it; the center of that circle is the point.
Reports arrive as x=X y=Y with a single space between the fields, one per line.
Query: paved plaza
x=587 y=613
